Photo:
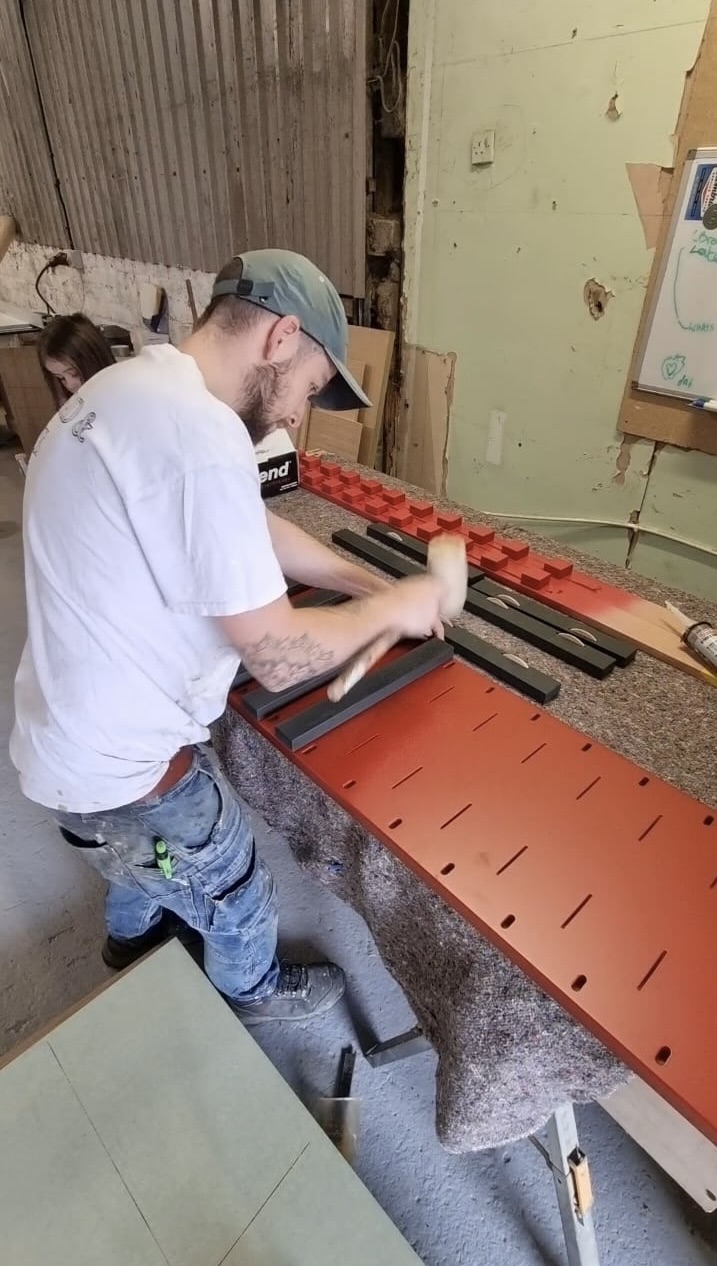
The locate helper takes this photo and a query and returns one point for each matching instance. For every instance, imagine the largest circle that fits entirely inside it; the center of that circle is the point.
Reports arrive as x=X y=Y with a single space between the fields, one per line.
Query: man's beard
x=260 y=408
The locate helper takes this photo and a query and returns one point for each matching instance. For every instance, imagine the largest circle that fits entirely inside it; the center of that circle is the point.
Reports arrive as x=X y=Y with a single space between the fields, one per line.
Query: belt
x=179 y=765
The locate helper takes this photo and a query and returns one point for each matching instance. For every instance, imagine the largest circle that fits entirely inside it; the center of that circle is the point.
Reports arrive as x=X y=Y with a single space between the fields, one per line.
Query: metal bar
x=619 y=648
x=562 y=1148
x=530 y=681
x=321 y=598
x=263 y=703
x=386 y=559
x=593 y=662
x=403 y=1046
x=310 y=725
x=412 y=547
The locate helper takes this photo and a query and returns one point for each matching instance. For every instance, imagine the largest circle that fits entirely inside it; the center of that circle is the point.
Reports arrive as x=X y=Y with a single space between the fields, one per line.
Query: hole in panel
x=532 y=754
x=446 y=870
x=459 y=814
x=649 y=828
x=480 y=724
x=490 y=690
x=709 y=819
x=536 y=717
x=663 y=1055
x=508 y=921
x=589 y=787
x=407 y=776
x=586 y=747
x=358 y=746
x=512 y=859
x=643 y=782
x=351 y=783
x=651 y=971
x=579 y=983
x=396 y=822
x=577 y=910
x=447 y=691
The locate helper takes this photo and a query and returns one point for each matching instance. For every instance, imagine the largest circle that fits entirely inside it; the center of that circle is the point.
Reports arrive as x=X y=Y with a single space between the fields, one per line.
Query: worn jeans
x=217 y=885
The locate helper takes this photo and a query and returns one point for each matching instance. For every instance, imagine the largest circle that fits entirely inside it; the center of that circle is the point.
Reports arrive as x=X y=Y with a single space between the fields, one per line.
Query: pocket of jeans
x=187 y=819
x=238 y=909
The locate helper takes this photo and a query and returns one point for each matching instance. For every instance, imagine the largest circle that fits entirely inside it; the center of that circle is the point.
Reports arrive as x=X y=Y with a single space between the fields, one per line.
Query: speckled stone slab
x=508 y=1055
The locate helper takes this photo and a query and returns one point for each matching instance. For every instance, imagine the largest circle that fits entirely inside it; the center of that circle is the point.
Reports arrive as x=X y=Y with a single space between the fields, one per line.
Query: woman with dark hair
x=71 y=350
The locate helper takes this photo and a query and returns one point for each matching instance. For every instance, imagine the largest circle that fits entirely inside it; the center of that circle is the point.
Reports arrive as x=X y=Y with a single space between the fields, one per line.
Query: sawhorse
x=560 y=1150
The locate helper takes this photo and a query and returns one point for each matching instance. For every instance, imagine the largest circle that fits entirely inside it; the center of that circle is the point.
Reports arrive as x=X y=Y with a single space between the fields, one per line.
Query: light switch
x=483 y=147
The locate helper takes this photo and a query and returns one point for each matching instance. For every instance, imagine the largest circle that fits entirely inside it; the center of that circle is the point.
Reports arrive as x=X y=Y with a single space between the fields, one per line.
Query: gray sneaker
x=301 y=993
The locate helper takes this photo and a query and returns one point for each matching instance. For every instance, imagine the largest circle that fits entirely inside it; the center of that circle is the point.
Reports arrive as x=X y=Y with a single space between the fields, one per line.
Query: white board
x=678 y=356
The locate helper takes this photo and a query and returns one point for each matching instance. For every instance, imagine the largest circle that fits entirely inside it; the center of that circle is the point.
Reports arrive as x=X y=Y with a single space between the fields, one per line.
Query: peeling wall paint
x=513 y=259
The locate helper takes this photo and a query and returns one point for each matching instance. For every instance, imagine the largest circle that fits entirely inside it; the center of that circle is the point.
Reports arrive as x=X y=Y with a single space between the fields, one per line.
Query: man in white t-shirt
x=152 y=569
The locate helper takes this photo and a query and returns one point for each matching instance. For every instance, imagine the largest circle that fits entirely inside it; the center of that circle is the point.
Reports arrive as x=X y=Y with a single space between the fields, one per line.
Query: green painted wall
x=497 y=259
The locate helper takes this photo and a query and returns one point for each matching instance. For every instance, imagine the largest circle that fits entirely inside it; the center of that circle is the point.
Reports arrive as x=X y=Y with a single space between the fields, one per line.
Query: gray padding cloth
x=508 y=1055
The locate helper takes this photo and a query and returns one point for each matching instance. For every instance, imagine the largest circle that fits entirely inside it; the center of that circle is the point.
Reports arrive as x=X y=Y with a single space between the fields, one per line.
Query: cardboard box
x=278 y=463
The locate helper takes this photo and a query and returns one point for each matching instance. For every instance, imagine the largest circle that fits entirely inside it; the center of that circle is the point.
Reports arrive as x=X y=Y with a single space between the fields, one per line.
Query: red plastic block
x=534 y=577
x=400 y=518
x=558 y=567
x=355 y=498
x=371 y=486
x=492 y=559
x=448 y=521
x=420 y=509
x=427 y=533
x=517 y=549
x=481 y=535
x=595 y=877
x=350 y=477
x=393 y=496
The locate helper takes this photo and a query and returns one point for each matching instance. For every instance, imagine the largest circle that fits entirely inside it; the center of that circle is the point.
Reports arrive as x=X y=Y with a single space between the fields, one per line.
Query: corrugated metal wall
x=185 y=130
x=27 y=181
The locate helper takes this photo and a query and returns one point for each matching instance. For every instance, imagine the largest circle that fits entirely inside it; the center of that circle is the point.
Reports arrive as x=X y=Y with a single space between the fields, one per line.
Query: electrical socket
x=75 y=260
x=483 y=147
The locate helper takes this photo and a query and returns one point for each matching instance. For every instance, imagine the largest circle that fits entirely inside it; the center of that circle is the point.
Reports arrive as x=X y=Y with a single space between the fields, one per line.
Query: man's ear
x=282 y=340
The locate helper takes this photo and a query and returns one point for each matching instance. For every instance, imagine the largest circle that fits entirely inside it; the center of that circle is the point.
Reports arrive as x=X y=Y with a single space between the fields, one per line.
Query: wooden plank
x=374 y=348
x=673 y=1143
x=337 y=433
x=423 y=427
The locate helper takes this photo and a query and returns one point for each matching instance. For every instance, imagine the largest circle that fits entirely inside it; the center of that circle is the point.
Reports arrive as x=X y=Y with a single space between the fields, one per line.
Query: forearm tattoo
x=278 y=662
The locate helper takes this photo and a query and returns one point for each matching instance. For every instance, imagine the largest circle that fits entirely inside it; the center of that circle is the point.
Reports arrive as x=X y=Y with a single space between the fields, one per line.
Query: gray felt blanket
x=508 y=1055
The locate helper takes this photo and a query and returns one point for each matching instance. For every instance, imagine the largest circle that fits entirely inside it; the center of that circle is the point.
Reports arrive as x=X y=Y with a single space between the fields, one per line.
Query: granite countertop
x=651 y=712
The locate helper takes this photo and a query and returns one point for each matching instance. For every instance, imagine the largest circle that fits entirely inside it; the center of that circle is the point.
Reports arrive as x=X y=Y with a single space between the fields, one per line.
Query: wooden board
x=656 y=417
x=28 y=396
x=149 y=1127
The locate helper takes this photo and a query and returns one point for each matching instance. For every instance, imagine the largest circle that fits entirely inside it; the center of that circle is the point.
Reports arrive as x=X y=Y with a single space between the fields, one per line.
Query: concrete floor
x=496 y=1208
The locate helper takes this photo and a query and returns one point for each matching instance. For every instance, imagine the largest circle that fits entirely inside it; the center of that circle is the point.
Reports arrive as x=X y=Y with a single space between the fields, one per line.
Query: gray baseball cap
x=288 y=284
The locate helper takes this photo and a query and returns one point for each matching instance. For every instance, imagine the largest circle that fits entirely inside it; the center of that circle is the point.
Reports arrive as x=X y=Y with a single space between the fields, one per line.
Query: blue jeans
x=217 y=885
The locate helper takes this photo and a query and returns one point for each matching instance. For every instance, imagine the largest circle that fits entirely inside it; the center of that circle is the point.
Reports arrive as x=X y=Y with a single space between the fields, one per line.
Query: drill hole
x=351 y=783
x=396 y=822
x=644 y=782
x=586 y=747
x=490 y=690
x=579 y=983
x=663 y=1055
x=446 y=870
x=536 y=717
x=709 y=819
x=508 y=921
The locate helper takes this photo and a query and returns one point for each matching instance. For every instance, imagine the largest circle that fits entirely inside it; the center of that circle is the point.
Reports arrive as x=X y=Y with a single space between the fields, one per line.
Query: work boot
x=302 y=992
x=120 y=954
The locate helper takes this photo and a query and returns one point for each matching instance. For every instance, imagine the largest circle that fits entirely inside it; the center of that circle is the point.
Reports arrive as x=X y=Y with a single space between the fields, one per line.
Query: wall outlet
x=483 y=147
x=75 y=260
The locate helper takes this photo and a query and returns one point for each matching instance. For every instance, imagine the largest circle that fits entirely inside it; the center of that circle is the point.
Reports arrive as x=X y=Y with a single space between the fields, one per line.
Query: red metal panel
x=594 y=876
x=553 y=580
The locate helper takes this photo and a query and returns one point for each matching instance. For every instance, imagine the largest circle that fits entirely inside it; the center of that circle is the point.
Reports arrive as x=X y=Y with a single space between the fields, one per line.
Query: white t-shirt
x=143 y=518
